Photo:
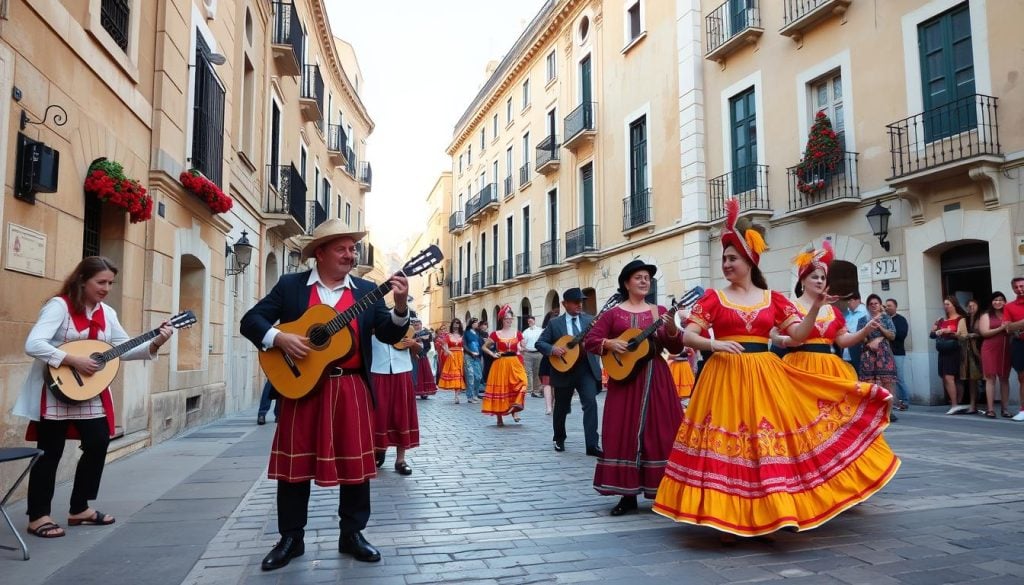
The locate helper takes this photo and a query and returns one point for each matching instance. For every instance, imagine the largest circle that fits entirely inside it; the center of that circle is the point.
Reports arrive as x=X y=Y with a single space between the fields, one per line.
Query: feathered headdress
x=810 y=259
x=742 y=234
x=502 y=312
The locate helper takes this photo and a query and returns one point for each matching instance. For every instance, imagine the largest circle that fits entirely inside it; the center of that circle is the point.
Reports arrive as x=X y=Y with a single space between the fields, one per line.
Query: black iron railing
x=466 y=289
x=336 y=138
x=579 y=120
x=207 y=118
x=472 y=206
x=581 y=240
x=749 y=184
x=365 y=173
x=549 y=253
x=811 y=184
x=488 y=195
x=456 y=287
x=492 y=275
x=961 y=129
x=507 y=272
x=316 y=215
x=794 y=10
x=313 y=86
x=115 y=18
x=456 y=221
x=478 y=280
x=365 y=253
x=636 y=209
x=729 y=20
x=350 y=161
x=523 y=263
x=524 y=174
x=286 y=192
x=288 y=28
x=547 y=151
x=509 y=185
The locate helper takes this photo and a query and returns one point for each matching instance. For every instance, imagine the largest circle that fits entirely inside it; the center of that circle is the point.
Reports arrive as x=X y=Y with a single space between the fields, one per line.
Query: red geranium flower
x=106 y=180
x=197 y=183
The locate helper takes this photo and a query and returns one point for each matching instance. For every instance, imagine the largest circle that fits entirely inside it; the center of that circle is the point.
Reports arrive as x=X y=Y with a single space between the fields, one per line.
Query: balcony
x=525 y=176
x=115 y=16
x=799 y=16
x=523 y=265
x=509 y=187
x=336 y=140
x=285 y=202
x=507 y=270
x=581 y=244
x=548 y=255
x=350 y=161
x=287 y=39
x=465 y=288
x=749 y=184
x=456 y=290
x=730 y=27
x=547 y=155
x=488 y=198
x=636 y=211
x=472 y=207
x=457 y=222
x=491 y=275
x=478 y=280
x=311 y=95
x=818 y=187
x=364 y=263
x=365 y=176
x=579 y=127
x=315 y=215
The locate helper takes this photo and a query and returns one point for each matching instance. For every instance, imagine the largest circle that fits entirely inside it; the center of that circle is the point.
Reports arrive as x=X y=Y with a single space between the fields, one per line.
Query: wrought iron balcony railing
x=466 y=288
x=315 y=216
x=313 y=87
x=506 y=269
x=286 y=192
x=336 y=138
x=288 y=32
x=547 y=153
x=813 y=184
x=523 y=263
x=549 y=253
x=579 y=122
x=749 y=184
x=962 y=129
x=581 y=240
x=728 y=21
x=492 y=275
x=115 y=19
x=456 y=221
x=472 y=206
x=365 y=173
x=478 y=280
x=636 y=209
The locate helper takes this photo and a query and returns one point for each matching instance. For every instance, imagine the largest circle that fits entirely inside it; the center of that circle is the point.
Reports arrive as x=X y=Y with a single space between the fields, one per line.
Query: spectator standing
x=1014 y=312
x=947 y=331
x=899 y=352
x=877 y=362
x=970 y=356
x=995 y=355
x=472 y=342
x=853 y=313
x=532 y=356
x=483 y=330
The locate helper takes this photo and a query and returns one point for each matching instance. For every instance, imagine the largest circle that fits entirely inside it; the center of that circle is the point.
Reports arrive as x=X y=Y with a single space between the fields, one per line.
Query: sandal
x=1006 y=414
x=403 y=468
x=990 y=414
x=98 y=519
x=47 y=530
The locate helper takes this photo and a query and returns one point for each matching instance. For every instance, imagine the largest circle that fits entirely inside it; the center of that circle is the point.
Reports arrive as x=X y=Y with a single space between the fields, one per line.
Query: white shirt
x=388 y=360
x=568 y=323
x=329 y=296
x=530 y=336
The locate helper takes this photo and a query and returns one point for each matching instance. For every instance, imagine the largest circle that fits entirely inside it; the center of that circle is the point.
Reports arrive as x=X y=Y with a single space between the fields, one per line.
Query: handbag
x=946 y=344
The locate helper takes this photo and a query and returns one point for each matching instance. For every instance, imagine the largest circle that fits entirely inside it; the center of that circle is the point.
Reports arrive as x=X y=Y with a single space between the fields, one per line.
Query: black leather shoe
x=626 y=504
x=403 y=468
x=283 y=552
x=559 y=446
x=595 y=452
x=354 y=544
x=379 y=456
x=261 y=419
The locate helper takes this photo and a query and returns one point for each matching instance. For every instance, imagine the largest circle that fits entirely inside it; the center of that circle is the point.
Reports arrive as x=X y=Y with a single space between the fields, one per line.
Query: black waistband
x=752 y=347
x=339 y=372
x=508 y=354
x=814 y=348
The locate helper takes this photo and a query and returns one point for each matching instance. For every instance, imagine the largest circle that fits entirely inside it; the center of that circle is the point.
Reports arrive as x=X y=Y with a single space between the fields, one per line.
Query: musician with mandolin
x=77 y=315
x=314 y=328
x=642 y=412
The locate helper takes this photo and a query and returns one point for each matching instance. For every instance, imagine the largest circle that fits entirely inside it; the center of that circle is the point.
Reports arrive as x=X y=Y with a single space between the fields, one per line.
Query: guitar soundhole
x=318 y=336
x=98 y=358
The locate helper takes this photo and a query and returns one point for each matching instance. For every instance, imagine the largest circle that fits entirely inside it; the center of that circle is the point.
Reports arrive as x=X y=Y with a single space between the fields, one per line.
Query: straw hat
x=331 y=229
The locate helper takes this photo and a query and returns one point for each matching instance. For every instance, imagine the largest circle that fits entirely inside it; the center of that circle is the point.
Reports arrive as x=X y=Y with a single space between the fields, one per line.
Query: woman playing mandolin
x=641 y=413
x=77 y=312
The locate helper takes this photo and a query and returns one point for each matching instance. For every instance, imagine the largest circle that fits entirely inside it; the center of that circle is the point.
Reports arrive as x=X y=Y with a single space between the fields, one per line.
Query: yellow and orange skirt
x=506 y=387
x=452 y=376
x=682 y=376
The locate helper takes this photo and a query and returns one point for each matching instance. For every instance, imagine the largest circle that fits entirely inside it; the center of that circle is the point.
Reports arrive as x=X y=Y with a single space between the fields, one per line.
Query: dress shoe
x=559 y=446
x=354 y=544
x=626 y=504
x=403 y=468
x=379 y=458
x=283 y=552
x=261 y=419
x=595 y=452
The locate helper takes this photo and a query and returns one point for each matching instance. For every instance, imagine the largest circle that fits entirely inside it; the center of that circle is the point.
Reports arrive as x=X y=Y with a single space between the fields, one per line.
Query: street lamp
x=878 y=218
x=242 y=251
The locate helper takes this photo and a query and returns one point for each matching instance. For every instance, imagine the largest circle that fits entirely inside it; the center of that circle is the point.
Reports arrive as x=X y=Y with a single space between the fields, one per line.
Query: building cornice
x=323 y=29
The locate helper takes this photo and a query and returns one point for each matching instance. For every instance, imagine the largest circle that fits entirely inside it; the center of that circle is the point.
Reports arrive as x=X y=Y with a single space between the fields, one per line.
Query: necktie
x=575 y=326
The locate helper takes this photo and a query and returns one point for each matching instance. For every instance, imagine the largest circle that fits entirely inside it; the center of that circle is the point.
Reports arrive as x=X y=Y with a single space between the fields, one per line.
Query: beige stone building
x=430 y=290
x=923 y=97
x=560 y=175
x=257 y=95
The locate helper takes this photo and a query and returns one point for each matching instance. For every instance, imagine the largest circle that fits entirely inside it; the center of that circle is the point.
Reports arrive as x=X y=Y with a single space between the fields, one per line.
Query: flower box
x=205 y=189
x=106 y=180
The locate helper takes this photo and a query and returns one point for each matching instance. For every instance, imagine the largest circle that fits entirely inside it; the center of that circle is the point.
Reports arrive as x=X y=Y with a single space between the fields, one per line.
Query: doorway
x=967 y=274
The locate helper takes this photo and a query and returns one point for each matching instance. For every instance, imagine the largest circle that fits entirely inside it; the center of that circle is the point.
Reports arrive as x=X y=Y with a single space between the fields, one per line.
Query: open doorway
x=967 y=274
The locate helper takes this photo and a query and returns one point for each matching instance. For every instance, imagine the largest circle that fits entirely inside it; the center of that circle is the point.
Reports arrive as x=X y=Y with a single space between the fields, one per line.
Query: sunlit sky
x=422 y=63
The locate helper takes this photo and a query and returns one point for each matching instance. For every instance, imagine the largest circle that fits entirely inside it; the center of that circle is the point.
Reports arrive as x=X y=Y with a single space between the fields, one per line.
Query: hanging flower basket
x=823 y=155
x=205 y=189
x=106 y=180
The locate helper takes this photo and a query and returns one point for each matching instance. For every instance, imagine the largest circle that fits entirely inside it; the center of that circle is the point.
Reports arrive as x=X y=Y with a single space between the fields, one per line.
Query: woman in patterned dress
x=506 y=381
x=641 y=413
x=764 y=445
x=877 y=362
x=452 y=376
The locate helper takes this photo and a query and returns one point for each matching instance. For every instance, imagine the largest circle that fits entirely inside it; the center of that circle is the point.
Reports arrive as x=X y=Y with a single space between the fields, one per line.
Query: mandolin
x=73 y=387
x=621 y=367
x=571 y=343
x=408 y=341
x=330 y=337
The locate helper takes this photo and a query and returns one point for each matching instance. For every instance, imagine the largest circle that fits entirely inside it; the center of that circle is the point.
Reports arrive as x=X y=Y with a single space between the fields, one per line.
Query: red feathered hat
x=741 y=234
x=502 y=312
x=810 y=260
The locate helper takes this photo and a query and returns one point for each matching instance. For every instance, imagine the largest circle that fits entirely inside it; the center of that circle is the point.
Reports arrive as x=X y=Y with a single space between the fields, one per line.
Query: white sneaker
x=957 y=409
x=1019 y=417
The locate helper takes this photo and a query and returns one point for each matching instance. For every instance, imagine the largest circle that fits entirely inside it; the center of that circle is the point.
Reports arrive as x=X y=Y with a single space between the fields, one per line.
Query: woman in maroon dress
x=995 y=355
x=643 y=413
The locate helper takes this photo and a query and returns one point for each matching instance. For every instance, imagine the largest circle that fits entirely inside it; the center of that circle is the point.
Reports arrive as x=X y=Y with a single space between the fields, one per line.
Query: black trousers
x=293 y=507
x=587 y=387
x=51 y=439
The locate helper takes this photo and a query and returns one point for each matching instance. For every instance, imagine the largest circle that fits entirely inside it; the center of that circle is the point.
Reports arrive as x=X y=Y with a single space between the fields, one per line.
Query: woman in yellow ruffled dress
x=682 y=372
x=452 y=376
x=764 y=445
x=506 y=382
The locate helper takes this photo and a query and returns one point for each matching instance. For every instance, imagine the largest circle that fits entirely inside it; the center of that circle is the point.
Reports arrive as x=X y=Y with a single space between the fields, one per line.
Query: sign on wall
x=26 y=250
x=887 y=268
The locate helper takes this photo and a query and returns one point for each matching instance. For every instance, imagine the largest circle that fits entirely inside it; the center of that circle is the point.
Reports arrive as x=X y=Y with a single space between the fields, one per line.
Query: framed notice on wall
x=26 y=250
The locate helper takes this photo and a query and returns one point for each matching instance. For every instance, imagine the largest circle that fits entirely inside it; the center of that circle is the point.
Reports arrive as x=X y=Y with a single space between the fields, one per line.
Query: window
x=494 y=252
x=274 y=158
x=115 y=18
x=460 y=164
x=248 y=104
x=494 y=173
x=743 y=126
x=634 y=21
x=827 y=96
x=947 y=73
x=302 y=161
x=348 y=213
x=526 y=148
x=469 y=155
x=553 y=214
x=587 y=198
x=508 y=111
x=316 y=183
x=325 y=196
x=551 y=67
x=494 y=128
x=526 y=93
x=483 y=139
x=208 y=118
x=638 y=158
x=526 y=232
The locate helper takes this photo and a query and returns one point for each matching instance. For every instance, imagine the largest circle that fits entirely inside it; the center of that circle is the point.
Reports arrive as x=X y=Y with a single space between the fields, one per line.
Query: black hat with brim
x=573 y=294
x=635 y=266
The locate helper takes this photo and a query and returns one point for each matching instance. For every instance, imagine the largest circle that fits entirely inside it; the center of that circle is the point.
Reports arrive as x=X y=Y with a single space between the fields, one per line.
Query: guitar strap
x=654 y=313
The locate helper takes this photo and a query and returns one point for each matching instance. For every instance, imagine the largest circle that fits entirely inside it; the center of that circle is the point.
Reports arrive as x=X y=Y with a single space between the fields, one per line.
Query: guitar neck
x=650 y=329
x=118 y=351
x=345 y=317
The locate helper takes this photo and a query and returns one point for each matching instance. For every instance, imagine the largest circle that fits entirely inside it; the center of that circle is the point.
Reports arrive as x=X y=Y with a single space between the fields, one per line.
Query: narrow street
x=498 y=505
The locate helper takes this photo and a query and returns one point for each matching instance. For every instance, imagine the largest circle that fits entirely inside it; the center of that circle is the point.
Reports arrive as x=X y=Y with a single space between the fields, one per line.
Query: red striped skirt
x=424 y=383
x=326 y=436
x=395 y=422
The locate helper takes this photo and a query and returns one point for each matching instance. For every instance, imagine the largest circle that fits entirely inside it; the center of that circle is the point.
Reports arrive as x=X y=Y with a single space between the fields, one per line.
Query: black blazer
x=289 y=299
x=557 y=328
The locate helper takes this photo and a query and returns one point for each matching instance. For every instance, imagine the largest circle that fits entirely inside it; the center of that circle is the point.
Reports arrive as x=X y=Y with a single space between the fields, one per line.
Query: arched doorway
x=270 y=272
x=842 y=281
x=966 y=273
x=590 y=303
x=483 y=315
x=524 y=312
x=552 y=307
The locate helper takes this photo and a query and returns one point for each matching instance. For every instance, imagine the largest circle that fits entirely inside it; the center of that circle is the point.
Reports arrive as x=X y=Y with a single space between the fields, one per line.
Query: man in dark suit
x=584 y=377
x=326 y=436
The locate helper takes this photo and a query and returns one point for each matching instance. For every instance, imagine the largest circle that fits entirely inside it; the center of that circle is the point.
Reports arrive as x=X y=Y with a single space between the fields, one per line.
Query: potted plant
x=205 y=189
x=822 y=156
x=106 y=180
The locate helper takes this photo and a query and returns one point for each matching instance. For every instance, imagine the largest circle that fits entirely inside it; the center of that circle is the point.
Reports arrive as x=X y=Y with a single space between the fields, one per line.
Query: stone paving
x=498 y=505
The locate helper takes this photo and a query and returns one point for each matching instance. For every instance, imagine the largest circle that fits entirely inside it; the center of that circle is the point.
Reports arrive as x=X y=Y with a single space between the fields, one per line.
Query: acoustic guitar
x=330 y=337
x=408 y=341
x=571 y=343
x=73 y=387
x=621 y=367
